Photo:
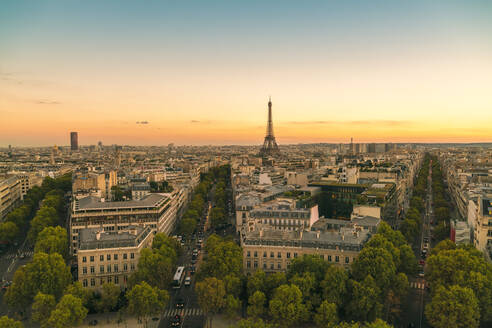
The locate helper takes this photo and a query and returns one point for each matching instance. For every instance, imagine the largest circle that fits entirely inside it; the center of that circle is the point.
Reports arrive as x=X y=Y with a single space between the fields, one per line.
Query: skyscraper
x=270 y=147
x=74 y=141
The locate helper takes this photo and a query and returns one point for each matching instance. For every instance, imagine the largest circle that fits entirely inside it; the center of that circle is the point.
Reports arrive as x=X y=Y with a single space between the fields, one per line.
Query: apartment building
x=10 y=194
x=482 y=232
x=273 y=250
x=110 y=256
x=158 y=211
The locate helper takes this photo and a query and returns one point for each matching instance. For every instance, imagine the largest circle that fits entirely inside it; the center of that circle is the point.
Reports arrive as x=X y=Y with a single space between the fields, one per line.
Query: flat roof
x=94 y=203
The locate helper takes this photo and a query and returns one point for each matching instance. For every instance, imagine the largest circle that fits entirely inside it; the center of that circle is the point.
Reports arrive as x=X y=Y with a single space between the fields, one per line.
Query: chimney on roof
x=317 y=234
x=98 y=235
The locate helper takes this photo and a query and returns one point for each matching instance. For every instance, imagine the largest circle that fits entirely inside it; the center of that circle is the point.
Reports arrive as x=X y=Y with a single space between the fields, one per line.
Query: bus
x=178 y=277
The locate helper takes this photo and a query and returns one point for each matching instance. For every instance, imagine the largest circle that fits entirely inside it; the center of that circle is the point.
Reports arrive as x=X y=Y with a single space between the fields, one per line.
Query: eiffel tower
x=270 y=147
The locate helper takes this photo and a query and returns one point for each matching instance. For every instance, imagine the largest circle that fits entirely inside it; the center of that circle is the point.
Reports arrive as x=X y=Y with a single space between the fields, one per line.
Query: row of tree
x=412 y=224
x=17 y=223
x=461 y=287
x=441 y=205
x=218 y=214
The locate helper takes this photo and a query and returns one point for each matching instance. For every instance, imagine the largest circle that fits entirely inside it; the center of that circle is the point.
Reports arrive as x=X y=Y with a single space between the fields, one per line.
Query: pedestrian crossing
x=182 y=312
x=13 y=255
x=417 y=285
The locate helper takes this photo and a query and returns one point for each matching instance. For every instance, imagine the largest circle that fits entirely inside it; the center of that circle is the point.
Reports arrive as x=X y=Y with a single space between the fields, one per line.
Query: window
x=329 y=258
x=279 y=255
x=125 y=267
x=125 y=256
x=110 y=279
x=295 y=255
x=115 y=257
x=337 y=258
x=101 y=281
x=288 y=255
x=101 y=258
x=132 y=255
x=116 y=268
x=272 y=266
x=92 y=269
x=84 y=283
x=264 y=254
x=84 y=259
x=347 y=260
x=132 y=267
x=84 y=270
x=109 y=267
x=116 y=280
x=248 y=264
x=256 y=254
x=264 y=266
x=256 y=264
x=93 y=282
x=279 y=265
x=101 y=269
x=92 y=258
x=108 y=257
x=272 y=254
x=249 y=254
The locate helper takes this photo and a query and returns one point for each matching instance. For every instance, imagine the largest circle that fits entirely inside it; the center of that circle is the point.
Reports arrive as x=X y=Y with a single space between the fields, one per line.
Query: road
x=9 y=263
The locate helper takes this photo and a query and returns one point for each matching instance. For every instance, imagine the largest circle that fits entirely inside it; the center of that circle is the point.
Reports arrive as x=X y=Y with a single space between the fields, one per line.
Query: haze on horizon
x=200 y=72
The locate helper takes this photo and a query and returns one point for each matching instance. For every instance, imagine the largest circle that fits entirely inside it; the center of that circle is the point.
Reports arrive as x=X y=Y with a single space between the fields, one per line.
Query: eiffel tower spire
x=270 y=147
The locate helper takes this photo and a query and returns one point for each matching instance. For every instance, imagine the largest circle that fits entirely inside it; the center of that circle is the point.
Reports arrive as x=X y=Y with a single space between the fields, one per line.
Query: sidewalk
x=114 y=319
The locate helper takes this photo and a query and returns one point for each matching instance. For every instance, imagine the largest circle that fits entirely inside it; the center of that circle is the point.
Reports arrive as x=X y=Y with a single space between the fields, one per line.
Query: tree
x=443 y=245
x=442 y=231
x=77 y=290
x=42 y=307
x=52 y=240
x=144 y=301
x=363 y=302
x=250 y=323
x=326 y=315
x=109 y=297
x=8 y=231
x=224 y=258
x=187 y=226
x=68 y=312
x=6 y=322
x=378 y=323
x=47 y=273
x=410 y=229
x=376 y=262
x=442 y=214
x=455 y=307
x=256 y=282
x=217 y=217
x=256 y=308
x=211 y=296
x=286 y=307
x=154 y=268
x=308 y=263
x=231 y=306
x=417 y=202
x=408 y=261
x=335 y=284
x=45 y=217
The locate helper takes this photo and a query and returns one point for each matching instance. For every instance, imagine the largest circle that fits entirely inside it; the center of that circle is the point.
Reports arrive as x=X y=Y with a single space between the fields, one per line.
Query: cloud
x=310 y=122
x=194 y=121
x=357 y=122
x=142 y=122
x=201 y=122
x=47 y=102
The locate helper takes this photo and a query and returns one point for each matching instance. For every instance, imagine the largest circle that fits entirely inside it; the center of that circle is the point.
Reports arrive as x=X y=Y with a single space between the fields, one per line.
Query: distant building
x=74 y=141
x=482 y=234
x=110 y=256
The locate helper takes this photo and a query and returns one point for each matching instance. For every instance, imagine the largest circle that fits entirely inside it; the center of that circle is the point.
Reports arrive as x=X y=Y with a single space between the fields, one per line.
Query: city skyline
x=201 y=74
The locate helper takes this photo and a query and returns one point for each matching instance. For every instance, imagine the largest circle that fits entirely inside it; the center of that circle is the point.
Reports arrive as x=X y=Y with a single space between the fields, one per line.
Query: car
x=422 y=262
x=421 y=273
x=192 y=269
x=155 y=319
x=179 y=303
x=426 y=245
x=193 y=260
x=176 y=321
x=187 y=281
x=6 y=285
x=93 y=322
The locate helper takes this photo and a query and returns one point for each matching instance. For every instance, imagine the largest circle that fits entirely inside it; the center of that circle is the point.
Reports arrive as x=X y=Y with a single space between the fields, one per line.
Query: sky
x=200 y=72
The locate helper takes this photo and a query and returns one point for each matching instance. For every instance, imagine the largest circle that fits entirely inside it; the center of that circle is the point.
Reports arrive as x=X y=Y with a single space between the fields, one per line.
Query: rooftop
x=94 y=203
x=94 y=238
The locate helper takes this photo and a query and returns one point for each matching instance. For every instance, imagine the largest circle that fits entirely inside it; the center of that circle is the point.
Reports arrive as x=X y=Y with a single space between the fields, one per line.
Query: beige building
x=10 y=194
x=159 y=211
x=482 y=232
x=273 y=250
x=110 y=256
x=96 y=183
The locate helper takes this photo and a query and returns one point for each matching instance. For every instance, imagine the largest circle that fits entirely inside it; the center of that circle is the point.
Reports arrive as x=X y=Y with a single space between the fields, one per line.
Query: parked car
x=187 y=281
x=93 y=322
x=192 y=269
